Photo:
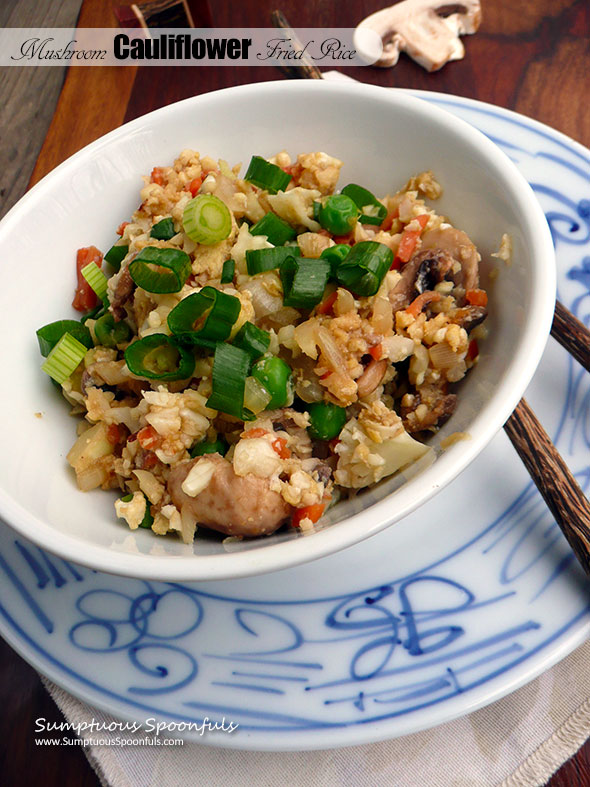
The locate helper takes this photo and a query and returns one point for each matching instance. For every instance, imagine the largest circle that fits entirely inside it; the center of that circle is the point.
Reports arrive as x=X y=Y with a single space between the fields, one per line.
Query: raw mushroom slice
x=427 y=30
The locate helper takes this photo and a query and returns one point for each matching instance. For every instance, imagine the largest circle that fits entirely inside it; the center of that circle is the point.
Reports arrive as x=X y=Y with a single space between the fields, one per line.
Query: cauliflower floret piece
x=374 y=446
x=257 y=456
x=210 y=259
x=318 y=171
x=246 y=308
x=150 y=486
x=244 y=243
x=296 y=206
x=312 y=244
x=179 y=418
x=132 y=512
x=99 y=406
x=300 y=489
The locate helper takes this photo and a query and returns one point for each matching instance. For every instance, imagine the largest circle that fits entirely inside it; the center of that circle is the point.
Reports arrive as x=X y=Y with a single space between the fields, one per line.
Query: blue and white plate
x=460 y=603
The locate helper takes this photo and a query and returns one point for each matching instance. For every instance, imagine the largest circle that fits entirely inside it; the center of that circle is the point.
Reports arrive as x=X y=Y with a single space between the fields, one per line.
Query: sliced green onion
x=254 y=340
x=338 y=214
x=159 y=357
x=326 y=420
x=260 y=260
x=206 y=219
x=205 y=317
x=115 y=255
x=266 y=175
x=372 y=211
x=363 y=270
x=276 y=230
x=93 y=314
x=230 y=369
x=148 y=519
x=275 y=375
x=335 y=255
x=174 y=269
x=96 y=279
x=110 y=333
x=218 y=447
x=64 y=358
x=304 y=281
x=228 y=271
x=163 y=230
x=49 y=335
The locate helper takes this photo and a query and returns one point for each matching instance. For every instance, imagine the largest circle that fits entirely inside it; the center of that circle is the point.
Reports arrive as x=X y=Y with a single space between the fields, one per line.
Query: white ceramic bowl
x=383 y=137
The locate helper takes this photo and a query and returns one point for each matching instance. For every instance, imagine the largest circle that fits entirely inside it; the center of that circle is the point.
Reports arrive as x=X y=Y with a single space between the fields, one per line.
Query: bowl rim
x=250 y=562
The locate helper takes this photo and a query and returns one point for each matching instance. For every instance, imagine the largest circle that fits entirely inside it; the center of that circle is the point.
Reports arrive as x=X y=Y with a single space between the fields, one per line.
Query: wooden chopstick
x=305 y=69
x=571 y=334
x=551 y=475
x=553 y=478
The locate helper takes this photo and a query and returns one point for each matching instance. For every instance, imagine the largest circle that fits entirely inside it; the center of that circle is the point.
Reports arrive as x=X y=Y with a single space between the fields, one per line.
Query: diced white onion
x=305 y=335
x=263 y=301
x=256 y=397
x=198 y=478
x=330 y=350
x=442 y=356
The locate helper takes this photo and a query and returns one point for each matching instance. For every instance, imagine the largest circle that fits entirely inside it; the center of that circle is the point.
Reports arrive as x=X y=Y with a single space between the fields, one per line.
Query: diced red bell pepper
x=280 y=446
x=194 y=186
x=85 y=298
x=312 y=512
x=376 y=351
x=408 y=241
x=258 y=431
x=148 y=438
x=476 y=297
x=326 y=305
x=157 y=176
x=472 y=350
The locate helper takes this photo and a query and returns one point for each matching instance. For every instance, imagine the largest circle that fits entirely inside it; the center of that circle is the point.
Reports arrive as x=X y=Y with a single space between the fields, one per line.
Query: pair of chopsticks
x=552 y=477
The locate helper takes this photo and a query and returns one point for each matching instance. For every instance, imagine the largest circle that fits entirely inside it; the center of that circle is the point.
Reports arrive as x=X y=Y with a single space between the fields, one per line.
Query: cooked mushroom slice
x=231 y=504
x=427 y=30
x=123 y=291
x=459 y=246
x=435 y=265
x=421 y=273
x=371 y=378
x=468 y=317
x=427 y=409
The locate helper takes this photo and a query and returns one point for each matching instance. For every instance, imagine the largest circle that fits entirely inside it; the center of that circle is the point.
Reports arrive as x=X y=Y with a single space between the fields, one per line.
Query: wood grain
x=93 y=100
x=553 y=479
x=29 y=96
x=571 y=334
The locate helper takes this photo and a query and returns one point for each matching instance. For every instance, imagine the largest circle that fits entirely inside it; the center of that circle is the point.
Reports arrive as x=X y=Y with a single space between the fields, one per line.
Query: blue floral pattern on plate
x=390 y=636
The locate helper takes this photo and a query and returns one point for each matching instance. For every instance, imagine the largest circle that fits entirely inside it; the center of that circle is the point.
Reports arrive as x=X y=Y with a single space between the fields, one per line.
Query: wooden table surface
x=532 y=56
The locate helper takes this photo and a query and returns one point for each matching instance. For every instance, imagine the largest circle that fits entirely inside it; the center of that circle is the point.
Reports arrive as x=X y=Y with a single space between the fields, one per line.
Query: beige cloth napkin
x=518 y=741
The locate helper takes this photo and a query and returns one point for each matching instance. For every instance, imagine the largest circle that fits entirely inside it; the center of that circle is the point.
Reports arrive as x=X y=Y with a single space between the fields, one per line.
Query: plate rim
x=566 y=639
x=299 y=551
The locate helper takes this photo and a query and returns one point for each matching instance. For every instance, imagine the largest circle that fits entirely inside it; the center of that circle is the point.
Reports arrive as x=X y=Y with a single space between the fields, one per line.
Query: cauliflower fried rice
x=312 y=362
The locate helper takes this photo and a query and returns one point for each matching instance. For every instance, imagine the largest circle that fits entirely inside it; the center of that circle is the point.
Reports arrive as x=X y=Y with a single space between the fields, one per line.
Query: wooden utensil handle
x=571 y=334
x=560 y=490
x=305 y=69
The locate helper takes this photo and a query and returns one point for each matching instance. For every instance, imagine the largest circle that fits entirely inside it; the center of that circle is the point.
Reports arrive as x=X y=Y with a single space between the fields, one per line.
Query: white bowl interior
x=382 y=137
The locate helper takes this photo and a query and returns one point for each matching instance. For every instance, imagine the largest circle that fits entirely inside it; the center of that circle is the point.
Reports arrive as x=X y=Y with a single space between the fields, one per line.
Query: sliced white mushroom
x=427 y=30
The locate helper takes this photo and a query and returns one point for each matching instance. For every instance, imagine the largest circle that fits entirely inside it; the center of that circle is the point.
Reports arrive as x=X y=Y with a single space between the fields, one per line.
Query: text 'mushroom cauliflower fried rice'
x=255 y=346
